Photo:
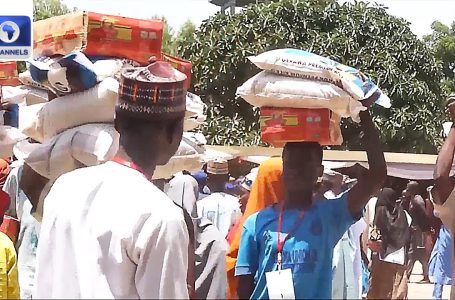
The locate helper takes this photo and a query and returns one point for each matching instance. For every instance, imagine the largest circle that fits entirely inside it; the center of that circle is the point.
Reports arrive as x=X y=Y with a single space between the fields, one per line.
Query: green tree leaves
x=443 y=42
x=358 y=34
x=43 y=9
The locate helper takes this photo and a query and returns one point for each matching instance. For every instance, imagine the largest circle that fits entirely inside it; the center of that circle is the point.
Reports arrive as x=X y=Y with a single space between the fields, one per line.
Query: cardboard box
x=98 y=35
x=182 y=65
x=282 y=125
x=8 y=74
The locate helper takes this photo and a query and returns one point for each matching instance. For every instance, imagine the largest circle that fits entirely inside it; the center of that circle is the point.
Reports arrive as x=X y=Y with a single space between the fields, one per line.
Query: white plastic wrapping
x=272 y=90
x=96 y=105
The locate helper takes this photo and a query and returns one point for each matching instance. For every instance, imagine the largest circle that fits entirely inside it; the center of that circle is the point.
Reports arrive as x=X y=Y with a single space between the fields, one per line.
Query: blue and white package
x=39 y=68
x=69 y=74
x=72 y=73
x=307 y=65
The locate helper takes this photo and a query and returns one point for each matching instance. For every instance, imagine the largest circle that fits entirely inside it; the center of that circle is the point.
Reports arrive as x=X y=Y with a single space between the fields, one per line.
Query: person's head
x=302 y=166
x=150 y=112
x=217 y=175
x=388 y=197
x=413 y=188
x=245 y=188
x=149 y=142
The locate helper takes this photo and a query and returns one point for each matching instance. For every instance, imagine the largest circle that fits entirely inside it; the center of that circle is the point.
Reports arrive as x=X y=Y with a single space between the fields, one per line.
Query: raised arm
x=443 y=186
x=373 y=179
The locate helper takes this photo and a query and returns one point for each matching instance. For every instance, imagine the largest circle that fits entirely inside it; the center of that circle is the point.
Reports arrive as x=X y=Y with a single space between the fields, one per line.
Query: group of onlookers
x=289 y=229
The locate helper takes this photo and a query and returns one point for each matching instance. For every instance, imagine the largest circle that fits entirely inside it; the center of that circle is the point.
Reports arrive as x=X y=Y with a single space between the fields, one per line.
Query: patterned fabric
x=152 y=91
x=218 y=167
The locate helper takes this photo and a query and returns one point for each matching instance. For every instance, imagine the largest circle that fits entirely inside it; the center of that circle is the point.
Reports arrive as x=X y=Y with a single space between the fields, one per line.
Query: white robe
x=222 y=209
x=107 y=232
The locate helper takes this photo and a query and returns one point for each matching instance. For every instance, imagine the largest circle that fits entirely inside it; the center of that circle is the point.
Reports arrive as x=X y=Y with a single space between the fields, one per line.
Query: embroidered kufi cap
x=218 y=167
x=156 y=91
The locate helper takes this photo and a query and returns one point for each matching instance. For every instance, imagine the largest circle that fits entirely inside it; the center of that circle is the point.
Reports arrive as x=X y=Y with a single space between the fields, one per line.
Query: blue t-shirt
x=308 y=252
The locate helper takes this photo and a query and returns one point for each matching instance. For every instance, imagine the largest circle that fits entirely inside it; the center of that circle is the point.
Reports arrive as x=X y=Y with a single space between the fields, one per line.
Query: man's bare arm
x=246 y=286
x=374 y=178
x=443 y=185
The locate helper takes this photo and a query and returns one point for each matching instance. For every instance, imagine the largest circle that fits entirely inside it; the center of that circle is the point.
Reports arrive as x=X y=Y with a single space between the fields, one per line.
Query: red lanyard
x=129 y=164
x=280 y=244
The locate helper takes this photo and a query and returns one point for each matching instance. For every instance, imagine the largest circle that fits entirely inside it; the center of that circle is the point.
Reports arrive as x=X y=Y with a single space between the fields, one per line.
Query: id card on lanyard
x=280 y=284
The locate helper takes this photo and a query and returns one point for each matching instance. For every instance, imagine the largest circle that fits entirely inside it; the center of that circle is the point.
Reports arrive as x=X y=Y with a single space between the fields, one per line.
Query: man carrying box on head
x=286 y=249
x=107 y=231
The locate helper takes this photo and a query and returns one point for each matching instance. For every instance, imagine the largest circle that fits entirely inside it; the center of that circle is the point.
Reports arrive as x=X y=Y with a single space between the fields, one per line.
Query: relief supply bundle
x=271 y=90
x=303 y=96
x=96 y=105
x=310 y=66
x=86 y=145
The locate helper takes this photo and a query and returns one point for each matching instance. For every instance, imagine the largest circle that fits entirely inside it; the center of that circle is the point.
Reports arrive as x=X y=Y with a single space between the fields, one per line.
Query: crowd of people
x=287 y=229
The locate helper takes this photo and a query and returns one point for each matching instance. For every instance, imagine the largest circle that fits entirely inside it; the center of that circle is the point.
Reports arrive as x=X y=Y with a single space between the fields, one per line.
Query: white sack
x=193 y=122
x=194 y=114
x=272 y=90
x=26 y=79
x=107 y=68
x=13 y=94
x=189 y=156
x=310 y=66
x=86 y=145
x=96 y=105
x=9 y=136
x=194 y=105
x=35 y=96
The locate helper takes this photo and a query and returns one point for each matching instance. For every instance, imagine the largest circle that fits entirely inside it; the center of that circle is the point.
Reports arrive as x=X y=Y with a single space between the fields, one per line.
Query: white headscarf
x=247 y=182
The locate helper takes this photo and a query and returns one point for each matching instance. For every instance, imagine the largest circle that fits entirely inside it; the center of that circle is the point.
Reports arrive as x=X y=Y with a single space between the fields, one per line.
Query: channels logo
x=15 y=37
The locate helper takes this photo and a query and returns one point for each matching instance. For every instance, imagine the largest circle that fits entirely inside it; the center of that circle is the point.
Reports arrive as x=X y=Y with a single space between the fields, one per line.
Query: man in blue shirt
x=300 y=233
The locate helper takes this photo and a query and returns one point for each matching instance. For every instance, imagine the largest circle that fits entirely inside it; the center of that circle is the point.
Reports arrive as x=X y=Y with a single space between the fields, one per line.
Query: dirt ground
x=423 y=291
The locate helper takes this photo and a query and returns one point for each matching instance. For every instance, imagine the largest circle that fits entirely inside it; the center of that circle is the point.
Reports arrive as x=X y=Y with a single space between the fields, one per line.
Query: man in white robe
x=222 y=209
x=107 y=231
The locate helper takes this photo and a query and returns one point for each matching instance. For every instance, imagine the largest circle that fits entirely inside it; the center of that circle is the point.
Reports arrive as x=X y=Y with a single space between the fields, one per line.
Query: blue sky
x=421 y=13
